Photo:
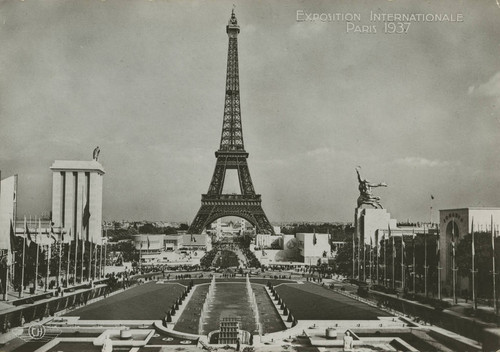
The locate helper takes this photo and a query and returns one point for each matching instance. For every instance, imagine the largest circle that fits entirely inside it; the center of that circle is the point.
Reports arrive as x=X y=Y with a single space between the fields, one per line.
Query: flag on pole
x=13 y=238
x=29 y=240
x=13 y=243
x=453 y=239
x=52 y=234
x=83 y=243
x=86 y=213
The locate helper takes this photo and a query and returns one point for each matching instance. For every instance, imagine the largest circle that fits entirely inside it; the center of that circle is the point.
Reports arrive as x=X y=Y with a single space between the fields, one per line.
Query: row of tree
x=425 y=250
x=118 y=233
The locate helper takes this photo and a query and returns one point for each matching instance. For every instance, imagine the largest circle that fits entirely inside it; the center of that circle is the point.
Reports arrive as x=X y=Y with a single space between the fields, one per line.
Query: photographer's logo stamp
x=36 y=331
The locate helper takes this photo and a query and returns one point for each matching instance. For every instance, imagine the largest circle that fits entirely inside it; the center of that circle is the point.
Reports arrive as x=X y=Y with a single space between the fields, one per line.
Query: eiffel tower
x=231 y=155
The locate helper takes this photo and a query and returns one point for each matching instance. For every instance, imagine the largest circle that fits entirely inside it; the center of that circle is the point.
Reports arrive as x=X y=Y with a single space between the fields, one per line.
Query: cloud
x=307 y=30
x=249 y=28
x=423 y=162
x=322 y=151
x=489 y=89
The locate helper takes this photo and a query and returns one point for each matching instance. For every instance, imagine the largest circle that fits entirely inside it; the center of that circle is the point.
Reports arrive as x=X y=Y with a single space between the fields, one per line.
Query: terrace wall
x=49 y=305
x=445 y=319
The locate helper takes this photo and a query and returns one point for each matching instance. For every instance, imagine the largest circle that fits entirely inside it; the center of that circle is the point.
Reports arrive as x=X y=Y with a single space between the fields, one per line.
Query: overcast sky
x=145 y=80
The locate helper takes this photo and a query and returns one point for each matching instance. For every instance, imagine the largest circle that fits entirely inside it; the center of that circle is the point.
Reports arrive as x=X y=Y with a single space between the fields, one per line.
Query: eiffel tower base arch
x=234 y=205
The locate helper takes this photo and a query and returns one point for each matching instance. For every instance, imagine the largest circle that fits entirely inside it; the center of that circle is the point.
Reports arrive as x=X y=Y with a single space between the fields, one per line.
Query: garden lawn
x=310 y=302
x=145 y=302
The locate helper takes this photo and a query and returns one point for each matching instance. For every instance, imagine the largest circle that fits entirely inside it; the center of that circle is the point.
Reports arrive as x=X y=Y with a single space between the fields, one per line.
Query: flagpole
x=377 y=259
x=393 y=263
x=95 y=262
x=402 y=262
x=495 y=303
x=61 y=237
x=430 y=208
x=371 y=262
x=454 y=270
x=100 y=260
x=59 y=264
x=359 y=257
x=89 y=273
x=385 y=262
x=426 y=267
x=76 y=258
x=353 y=255
x=473 y=249
x=140 y=259
x=438 y=264
x=364 y=261
x=414 y=266
x=22 y=267
x=83 y=257
x=69 y=258
x=36 y=262
x=48 y=265
x=105 y=255
x=14 y=215
x=82 y=235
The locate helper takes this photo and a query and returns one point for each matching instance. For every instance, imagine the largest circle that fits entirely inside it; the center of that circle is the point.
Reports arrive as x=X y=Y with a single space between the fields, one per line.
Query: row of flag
x=452 y=241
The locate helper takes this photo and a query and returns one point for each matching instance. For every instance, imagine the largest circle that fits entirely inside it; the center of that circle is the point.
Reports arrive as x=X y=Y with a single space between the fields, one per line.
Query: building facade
x=77 y=198
x=454 y=225
x=313 y=247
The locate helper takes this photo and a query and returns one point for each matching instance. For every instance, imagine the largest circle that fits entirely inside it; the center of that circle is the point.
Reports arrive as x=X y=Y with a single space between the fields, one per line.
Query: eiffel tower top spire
x=232 y=133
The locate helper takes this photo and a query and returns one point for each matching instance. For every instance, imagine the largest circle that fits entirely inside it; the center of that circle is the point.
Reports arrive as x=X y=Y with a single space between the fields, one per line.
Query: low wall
x=48 y=307
x=470 y=328
x=452 y=342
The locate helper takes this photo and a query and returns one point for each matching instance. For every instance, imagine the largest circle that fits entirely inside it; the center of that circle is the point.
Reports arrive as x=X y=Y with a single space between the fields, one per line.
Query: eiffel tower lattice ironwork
x=231 y=155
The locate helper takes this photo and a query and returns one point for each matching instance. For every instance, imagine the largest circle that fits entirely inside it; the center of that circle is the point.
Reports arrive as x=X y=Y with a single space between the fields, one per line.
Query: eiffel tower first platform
x=231 y=155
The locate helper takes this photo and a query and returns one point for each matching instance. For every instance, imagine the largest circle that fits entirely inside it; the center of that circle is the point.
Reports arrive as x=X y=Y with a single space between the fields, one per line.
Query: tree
x=343 y=259
x=129 y=253
x=149 y=228
x=183 y=227
x=122 y=234
x=483 y=258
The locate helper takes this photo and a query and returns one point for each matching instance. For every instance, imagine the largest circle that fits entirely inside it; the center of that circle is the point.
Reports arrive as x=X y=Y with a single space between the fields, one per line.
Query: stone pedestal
x=367 y=221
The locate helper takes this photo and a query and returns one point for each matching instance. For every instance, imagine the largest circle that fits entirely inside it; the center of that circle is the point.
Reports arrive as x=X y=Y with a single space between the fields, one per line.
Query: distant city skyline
x=144 y=81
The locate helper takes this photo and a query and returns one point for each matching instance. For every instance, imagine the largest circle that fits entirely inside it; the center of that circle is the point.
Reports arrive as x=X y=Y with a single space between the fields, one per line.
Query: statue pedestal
x=367 y=221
